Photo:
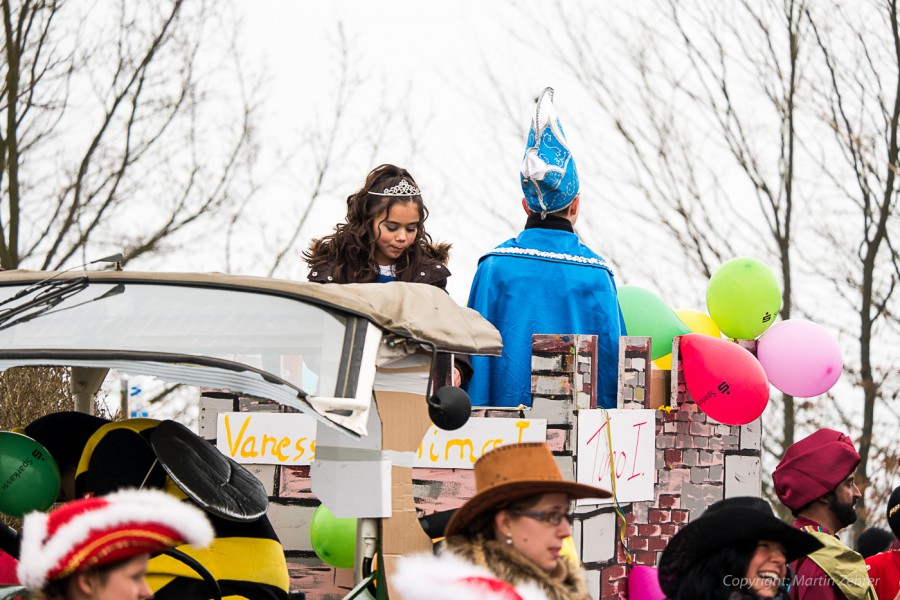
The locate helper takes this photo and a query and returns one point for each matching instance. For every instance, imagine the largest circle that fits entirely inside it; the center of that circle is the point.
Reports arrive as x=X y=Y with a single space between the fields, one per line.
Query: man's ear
x=574 y=207
x=527 y=210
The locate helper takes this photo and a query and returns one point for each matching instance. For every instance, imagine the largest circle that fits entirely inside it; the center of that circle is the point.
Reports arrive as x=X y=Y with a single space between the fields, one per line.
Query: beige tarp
x=413 y=310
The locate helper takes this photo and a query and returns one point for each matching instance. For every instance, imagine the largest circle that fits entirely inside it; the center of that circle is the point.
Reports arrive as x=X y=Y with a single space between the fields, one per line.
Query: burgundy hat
x=813 y=467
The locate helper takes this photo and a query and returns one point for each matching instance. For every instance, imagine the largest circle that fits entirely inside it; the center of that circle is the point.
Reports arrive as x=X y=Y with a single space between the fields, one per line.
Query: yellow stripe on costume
x=135 y=425
x=238 y=558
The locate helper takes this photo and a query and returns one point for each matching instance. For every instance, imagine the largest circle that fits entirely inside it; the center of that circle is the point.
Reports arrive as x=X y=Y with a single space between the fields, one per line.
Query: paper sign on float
x=633 y=454
x=290 y=439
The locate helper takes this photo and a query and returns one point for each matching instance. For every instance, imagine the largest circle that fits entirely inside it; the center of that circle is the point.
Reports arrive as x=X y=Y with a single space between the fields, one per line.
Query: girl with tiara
x=383 y=239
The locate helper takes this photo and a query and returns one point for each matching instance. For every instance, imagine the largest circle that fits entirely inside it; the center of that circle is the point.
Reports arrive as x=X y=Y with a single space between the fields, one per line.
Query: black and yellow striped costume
x=246 y=558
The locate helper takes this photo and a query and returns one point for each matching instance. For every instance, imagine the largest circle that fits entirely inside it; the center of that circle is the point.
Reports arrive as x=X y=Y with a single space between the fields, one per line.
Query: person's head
x=387 y=213
x=385 y=225
x=893 y=513
x=549 y=177
x=816 y=479
x=98 y=547
x=570 y=212
x=521 y=500
x=536 y=526
x=121 y=580
x=873 y=541
x=737 y=544
x=65 y=435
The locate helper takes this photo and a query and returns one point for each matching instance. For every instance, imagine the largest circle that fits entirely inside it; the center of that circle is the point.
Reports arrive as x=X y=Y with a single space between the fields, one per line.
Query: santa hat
x=450 y=577
x=91 y=532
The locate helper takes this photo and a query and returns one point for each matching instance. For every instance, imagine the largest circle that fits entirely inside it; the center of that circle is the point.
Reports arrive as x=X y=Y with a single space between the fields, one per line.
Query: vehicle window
x=301 y=343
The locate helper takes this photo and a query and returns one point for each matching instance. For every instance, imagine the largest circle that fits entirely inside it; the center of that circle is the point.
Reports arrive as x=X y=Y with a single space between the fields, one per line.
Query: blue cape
x=543 y=281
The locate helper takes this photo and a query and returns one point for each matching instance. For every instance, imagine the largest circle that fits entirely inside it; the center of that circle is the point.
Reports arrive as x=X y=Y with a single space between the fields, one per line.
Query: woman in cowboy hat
x=97 y=548
x=738 y=549
x=505 y=541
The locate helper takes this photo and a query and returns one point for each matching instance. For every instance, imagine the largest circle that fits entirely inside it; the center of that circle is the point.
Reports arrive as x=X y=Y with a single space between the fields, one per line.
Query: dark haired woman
x=737 y=550
x=506 y=542
x=383 y=239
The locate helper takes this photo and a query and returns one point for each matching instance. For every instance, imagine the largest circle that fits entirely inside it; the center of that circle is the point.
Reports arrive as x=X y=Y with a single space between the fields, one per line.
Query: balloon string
x=612 y=475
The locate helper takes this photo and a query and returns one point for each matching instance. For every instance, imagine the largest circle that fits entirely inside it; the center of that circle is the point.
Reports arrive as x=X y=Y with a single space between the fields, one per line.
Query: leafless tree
x=119 y=133
x=763 y=127
x=858 y=98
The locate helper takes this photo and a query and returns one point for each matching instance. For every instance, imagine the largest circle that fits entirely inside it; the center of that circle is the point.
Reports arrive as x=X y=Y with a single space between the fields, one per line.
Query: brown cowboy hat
x=513 y=472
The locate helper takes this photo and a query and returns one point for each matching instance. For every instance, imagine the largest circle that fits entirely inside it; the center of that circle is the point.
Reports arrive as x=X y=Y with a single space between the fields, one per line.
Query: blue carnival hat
x=549 y=176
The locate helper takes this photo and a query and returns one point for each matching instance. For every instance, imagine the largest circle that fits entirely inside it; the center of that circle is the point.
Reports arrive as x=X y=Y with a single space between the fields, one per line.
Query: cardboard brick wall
x=698 y=461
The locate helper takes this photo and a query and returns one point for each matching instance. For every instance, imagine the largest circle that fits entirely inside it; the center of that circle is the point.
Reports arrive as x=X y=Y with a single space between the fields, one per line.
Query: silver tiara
x=404 y=188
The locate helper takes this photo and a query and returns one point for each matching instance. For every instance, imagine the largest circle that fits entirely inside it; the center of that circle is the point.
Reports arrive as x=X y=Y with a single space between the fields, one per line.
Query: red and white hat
x=92 y=532
x=450 y=577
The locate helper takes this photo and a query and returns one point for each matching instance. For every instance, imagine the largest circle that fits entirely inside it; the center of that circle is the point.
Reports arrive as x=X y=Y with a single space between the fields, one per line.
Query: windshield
x=298 y=342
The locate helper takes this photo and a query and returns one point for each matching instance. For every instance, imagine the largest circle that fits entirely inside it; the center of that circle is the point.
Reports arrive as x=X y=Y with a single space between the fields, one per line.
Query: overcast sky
x=432 y=61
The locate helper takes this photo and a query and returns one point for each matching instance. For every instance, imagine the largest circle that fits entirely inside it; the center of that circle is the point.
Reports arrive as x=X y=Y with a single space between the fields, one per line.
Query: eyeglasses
x=553 y=517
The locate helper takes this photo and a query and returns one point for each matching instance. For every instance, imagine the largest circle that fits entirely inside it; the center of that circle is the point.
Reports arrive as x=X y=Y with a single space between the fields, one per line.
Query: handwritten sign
x=461 y=448
x=267 y=438
x=290 y=439
x=633 y=453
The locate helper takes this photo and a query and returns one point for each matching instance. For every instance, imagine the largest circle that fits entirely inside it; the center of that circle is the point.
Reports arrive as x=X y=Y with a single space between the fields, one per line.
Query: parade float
x=335 y=399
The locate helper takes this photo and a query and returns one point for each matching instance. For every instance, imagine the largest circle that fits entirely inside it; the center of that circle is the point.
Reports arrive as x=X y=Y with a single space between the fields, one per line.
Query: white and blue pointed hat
x=549 y=176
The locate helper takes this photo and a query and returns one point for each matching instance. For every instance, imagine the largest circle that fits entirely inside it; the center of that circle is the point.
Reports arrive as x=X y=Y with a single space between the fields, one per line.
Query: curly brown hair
x=351 y=248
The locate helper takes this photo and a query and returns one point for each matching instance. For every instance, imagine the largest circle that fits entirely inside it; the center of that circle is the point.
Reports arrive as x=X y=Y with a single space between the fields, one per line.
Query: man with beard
x=815 y=479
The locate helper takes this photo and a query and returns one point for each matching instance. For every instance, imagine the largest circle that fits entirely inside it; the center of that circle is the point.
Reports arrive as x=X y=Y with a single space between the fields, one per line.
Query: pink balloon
x=801 y=358
x=643 y=584
x=725 y=380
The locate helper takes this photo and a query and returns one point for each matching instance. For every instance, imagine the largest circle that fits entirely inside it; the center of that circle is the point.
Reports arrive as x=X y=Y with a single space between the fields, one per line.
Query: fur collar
x=567 y=582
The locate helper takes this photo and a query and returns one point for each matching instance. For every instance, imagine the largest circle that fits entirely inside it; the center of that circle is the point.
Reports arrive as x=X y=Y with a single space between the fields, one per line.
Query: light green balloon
x=333 y=539
x=646 y=314
x=743 y=298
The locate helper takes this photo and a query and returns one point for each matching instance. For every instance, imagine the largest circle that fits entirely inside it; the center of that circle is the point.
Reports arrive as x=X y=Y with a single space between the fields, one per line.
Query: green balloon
x=743 y=298
x=646 y=314
x=333 y=539
x=29 y=477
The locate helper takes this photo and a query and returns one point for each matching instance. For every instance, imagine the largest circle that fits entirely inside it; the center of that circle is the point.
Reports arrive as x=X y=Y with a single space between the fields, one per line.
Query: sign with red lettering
x=631 y=457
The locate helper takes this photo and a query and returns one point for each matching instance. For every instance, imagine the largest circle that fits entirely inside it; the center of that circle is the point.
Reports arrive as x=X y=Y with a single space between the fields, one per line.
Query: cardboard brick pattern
x=691 y=453
x=697 y=463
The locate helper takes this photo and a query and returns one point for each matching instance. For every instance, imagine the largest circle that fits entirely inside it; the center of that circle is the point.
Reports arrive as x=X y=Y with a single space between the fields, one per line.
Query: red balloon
x=724 y=379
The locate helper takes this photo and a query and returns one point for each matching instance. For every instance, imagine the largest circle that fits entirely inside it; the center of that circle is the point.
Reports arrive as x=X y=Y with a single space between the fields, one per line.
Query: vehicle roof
x=416 y=311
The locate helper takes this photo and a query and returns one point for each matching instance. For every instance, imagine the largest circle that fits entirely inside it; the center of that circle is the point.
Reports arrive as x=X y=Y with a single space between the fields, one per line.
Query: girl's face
x=125 y=582
x=534 y=533
x=395 y=231
x=767 y=569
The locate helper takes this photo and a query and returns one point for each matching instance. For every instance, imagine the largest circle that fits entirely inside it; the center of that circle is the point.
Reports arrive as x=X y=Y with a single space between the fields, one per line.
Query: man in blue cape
x=544 y=281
